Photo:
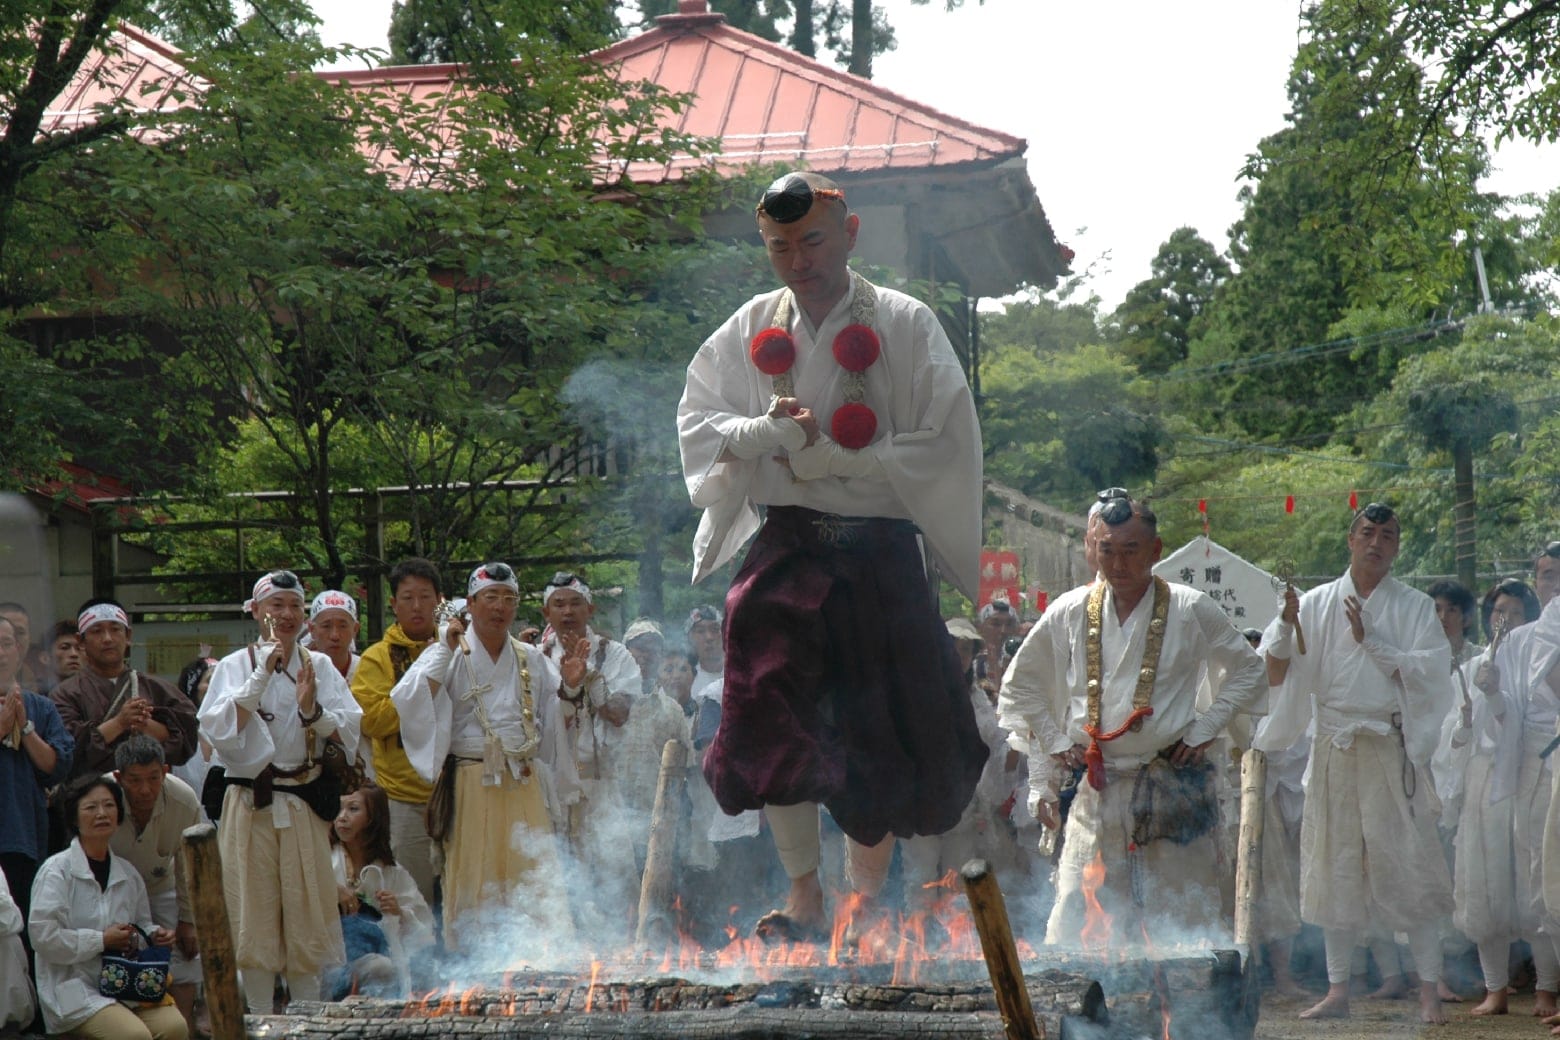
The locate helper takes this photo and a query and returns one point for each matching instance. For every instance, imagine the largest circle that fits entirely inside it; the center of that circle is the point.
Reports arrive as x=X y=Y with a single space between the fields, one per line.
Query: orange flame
x=1097 y=923
x=590 y=994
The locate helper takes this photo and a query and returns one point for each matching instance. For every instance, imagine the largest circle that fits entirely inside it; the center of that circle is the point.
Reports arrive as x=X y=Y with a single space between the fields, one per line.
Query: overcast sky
x=1138 y=113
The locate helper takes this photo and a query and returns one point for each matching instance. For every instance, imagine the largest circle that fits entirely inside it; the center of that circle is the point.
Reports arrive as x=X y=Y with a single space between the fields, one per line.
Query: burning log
x=671 y=1007
x=996 y=942
x=656 y=925
x=219 y=966
x=1248 y=863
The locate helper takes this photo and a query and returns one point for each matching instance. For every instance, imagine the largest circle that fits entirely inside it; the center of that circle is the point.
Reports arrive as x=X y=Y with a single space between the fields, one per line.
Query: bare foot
x=802 y=916
x=1393 y=987
x=1552 y=1020
x=1334 y=1005
x=1448 y=996
x=1544 y=1003
x=1494 y=1003
x=1430 y=1010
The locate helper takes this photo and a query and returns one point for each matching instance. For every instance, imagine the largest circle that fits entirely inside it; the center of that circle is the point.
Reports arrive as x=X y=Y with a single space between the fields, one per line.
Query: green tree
x=1342 y=213
x=1158 y=318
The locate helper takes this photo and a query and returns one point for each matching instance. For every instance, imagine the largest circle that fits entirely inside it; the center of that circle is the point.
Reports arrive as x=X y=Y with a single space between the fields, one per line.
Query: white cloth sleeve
x=427 y=714
x=750 y=438
x=1035 y=696
x=246 y=748
x=826 y=458
x=1244 y=683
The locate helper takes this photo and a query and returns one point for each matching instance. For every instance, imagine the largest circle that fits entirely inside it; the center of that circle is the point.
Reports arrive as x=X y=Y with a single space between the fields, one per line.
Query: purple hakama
x=842 y=685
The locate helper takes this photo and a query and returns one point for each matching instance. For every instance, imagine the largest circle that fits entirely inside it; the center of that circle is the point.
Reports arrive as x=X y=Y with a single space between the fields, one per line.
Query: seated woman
x=84 y=902
x=16 y=993
x=379 y=896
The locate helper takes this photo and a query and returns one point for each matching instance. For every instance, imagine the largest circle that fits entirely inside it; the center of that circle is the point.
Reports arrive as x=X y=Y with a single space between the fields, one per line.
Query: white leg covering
x=867 y=865
x=1424 y=946
x=1495 y=963
x=1546 y=962
x=303 y=986
x=1385 y=952
x=795 y=829
x=1339 y=943
x=259 y=990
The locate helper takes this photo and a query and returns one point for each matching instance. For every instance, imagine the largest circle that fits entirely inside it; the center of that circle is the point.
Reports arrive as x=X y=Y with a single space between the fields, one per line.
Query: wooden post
x=1248 y=853
x=656 y=886
x=996 y=942
x=219 y=966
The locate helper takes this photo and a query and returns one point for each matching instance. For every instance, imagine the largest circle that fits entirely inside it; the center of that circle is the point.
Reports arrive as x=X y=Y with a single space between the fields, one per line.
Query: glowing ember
x=1096 y=923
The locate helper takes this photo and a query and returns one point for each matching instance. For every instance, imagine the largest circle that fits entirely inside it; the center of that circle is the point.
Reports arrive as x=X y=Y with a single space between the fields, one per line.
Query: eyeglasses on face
x=790 y=198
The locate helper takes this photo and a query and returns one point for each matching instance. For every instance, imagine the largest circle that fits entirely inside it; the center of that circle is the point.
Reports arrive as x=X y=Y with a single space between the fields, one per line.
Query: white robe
x=281 y=741
x=16 y=993
x=1044 y=695
x=928 y=437
x=434 y=725
x=1357 y=807
x=1543 y=656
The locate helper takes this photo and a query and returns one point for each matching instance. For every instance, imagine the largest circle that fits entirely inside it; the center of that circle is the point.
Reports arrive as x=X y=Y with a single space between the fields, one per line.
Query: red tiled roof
x=769 y=104
x=133 y=68
x=80 y=487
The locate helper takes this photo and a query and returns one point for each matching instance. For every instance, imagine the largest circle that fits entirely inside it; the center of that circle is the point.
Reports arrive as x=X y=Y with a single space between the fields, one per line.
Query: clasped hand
x=791 y=408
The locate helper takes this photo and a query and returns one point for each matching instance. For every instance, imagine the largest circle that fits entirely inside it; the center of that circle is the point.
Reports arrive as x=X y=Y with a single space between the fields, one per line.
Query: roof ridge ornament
x=691 y=14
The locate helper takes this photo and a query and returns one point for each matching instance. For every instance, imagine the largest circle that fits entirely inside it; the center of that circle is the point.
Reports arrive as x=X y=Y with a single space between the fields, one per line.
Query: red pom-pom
x=856 y=347
x=853 y=426
x=773 y=351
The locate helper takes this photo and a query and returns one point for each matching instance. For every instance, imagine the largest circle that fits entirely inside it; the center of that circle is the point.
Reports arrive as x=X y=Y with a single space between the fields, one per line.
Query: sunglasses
x=498 y=571
x=790 y=198
x=1376 y=513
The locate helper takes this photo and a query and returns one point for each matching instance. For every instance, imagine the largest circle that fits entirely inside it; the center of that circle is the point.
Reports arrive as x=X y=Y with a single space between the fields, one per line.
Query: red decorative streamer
x=1289 y=503
x=1354 y=501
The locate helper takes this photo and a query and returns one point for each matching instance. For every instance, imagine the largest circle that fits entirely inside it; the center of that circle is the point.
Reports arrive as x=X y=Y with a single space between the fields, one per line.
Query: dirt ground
x=1396 y=1020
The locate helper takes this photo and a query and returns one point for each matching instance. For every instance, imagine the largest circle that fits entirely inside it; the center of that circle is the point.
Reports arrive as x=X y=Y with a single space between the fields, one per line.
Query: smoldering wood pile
x=1093 y=1000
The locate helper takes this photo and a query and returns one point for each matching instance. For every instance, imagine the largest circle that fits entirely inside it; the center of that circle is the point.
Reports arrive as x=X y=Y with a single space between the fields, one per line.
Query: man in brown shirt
x=107 y=700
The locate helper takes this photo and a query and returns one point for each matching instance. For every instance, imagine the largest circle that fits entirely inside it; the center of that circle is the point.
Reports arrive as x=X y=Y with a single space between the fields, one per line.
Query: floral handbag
x=142 y=978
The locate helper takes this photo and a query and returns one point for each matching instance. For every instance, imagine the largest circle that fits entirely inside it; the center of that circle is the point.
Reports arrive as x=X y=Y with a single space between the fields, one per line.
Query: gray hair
x=139 y=750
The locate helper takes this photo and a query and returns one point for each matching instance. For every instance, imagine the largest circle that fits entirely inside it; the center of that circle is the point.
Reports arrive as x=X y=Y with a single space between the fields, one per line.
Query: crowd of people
x=510 y=777
x=471 y=786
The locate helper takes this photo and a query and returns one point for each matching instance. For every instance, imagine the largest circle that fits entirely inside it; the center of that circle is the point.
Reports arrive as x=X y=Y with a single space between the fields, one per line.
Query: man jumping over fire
x=842 y=686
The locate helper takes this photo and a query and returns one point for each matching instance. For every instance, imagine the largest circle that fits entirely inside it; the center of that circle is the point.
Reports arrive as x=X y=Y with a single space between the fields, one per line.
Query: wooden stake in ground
x=656 y=923
x=996 y=942
x=1248 y=862
x=203 y=867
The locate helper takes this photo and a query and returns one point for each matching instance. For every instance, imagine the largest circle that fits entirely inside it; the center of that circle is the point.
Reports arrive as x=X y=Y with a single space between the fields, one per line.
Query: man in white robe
x=267 y=712
x=1153 y=643
x=1376 y=677
x=484 y=721
x=841 y=409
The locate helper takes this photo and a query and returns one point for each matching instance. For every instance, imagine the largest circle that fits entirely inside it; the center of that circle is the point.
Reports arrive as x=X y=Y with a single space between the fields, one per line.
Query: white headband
x=333 y=599
x=574 y=584
x=480 y=578
x=100 y=613
x=266 y=587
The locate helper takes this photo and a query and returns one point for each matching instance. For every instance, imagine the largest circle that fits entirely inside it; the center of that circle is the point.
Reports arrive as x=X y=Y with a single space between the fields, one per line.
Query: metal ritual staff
x=1283 y=581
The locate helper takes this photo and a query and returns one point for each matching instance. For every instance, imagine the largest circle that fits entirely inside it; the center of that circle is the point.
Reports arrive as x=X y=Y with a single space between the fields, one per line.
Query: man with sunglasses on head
x=1107 y=683
x=270 y=707
x=832 y=419
x=1375 y=674
x=482 y=720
